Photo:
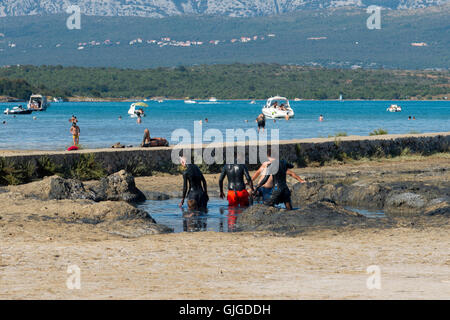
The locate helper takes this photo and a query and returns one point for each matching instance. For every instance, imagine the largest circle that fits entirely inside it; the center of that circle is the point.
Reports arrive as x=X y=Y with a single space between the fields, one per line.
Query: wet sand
x=414 y=260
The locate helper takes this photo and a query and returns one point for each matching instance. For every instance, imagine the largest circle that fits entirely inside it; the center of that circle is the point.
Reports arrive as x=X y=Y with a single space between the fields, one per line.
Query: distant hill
x=164 y=8
x=408 y=39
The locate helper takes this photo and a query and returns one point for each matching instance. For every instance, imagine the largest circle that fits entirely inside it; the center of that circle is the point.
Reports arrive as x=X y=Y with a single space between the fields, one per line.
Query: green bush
x=378 y=132
x=86 y=168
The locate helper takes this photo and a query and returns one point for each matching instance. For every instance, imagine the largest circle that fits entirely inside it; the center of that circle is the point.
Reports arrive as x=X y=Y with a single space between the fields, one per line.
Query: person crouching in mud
x=194 y=185
x=237 y=192
x=280 y=192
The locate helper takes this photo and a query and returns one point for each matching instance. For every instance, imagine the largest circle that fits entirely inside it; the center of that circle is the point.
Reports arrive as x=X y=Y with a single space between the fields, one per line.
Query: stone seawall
x=143 y=161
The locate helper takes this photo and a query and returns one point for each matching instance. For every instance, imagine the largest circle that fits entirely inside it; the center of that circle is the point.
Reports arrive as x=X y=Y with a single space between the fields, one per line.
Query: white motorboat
x=394 y=108
x=190 y=101
x=134 y=111
x=277 y=107
x=253 y=102
x=17 y=110
x=38 y=103
x=212 y=99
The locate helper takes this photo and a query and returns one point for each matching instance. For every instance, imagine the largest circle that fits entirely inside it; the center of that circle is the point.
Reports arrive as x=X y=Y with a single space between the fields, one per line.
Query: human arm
x=293 y=175
x=185 y=188
x=221 y=178
x=247 y=176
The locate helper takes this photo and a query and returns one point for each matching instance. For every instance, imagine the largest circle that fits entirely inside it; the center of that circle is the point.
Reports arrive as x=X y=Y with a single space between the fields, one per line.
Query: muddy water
x=219 y=218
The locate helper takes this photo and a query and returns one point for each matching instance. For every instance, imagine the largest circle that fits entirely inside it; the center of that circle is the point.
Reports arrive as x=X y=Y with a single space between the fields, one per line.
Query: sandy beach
x=413 y=254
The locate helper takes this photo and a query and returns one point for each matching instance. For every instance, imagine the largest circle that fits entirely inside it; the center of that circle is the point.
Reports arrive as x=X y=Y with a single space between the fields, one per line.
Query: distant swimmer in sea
x=261 y=121
x=73 y=119
x=414 y=118
x=75 y=131
x=34 y=118
x=278 y=169
x=4 y=122
x=237 y=192
x=153 y=142
x=206 y=120
x=139 y=120
x=194 y=185
x=321 y=118
x=409 y=118
x=120 y=117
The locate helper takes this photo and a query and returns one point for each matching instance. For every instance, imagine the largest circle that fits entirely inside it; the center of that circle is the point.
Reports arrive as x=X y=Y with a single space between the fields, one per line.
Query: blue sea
x=100 y=125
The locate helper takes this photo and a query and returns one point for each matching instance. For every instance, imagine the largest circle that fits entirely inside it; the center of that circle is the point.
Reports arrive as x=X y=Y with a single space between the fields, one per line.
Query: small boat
x=297 y=99
x=18 y=110
x=58 y=99
x=134 y=111
x=38 y=103
x=253 y=102
x=277 y=107
x=190 y=101
x=160 y=100
x=340 y=97
x=394 y=108
x=212 y=99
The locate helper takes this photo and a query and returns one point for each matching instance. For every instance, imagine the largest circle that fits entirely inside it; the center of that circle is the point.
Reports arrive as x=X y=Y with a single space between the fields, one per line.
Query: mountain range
x=166 y=8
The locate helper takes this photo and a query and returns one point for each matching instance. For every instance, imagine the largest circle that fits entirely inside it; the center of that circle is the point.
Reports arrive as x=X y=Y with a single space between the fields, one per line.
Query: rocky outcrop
x=119 y=186
x=116 y=187
x=324 y=214
x=393 y=198
x=57 y=188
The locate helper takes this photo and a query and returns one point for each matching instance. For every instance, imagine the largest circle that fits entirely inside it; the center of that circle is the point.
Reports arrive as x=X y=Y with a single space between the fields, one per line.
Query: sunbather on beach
x=194 y=185
x=152 y=142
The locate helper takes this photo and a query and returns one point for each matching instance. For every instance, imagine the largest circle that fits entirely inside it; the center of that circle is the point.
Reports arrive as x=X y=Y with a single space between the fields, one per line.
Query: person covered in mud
x=194 y=185
x=237 y=192
x=278 y=170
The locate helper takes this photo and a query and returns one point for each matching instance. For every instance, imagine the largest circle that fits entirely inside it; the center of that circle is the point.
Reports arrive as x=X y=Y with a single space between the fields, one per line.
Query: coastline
x=19 y=152
x=153 y=99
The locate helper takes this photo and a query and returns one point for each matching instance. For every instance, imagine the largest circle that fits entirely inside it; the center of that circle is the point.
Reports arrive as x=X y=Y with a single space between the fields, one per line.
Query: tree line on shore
x=235 y=81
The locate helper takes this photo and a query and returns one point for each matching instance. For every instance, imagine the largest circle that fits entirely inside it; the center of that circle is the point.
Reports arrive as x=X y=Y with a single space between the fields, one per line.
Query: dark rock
x=116 y=187
x=404 y=201
x=57 y=188
x=318 y=214
x=156 y=195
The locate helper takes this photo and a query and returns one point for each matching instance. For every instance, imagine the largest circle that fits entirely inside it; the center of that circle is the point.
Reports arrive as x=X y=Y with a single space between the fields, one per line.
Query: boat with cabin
x=38 y=102
x=277 y=107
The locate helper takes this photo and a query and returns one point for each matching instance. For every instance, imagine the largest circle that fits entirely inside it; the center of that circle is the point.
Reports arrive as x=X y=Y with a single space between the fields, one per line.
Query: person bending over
x=280 y=191
x=194 y=185
x=237 y=192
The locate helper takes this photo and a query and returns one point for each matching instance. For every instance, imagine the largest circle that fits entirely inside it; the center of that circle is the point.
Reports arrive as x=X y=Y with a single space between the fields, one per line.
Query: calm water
x=100 y=126
x=220 y=217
